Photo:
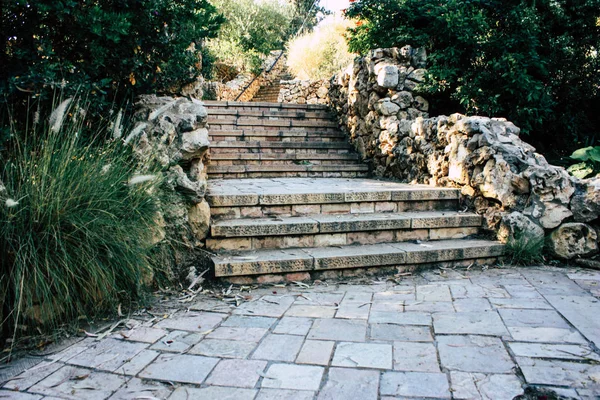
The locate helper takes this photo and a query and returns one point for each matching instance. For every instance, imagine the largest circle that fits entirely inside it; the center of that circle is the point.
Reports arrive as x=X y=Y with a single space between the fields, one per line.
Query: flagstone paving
x=443 y=334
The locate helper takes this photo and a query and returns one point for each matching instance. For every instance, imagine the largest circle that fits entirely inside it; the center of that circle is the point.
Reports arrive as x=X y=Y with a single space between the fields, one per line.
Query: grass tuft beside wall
x=76 y=222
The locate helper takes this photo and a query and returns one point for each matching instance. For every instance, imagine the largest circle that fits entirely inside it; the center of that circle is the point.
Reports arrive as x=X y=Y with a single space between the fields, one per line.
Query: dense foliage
x=111 y=48
x=76 y=222
x=535 y=63
x=252 y=29
x=589 y=162
x=320 y=54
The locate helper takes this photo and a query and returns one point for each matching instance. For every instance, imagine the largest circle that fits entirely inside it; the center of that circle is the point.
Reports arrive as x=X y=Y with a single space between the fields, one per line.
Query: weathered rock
x=519 y=225
x=403 y=99
x=199 y=219
x=173 y=131
x=387 y=77
x=386 y=107
x=573 y=240
x=585 y=203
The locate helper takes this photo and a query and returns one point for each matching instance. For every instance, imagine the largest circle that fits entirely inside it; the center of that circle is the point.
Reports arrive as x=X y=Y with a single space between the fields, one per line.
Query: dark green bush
x=76 y=222
x=533 y=62
x=112 y=49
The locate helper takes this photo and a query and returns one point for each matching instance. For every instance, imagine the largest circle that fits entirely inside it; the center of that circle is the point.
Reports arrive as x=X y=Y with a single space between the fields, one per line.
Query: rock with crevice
x=174 y=134
x=573 y=240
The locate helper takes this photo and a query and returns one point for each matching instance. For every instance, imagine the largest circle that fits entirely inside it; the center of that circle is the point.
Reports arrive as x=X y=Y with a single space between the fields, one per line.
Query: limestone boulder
x=585 y=203
x=516 y=224
x=199 y=219
x=573 y=240
x=194 y=143
x=387 y=76
x=386 y=107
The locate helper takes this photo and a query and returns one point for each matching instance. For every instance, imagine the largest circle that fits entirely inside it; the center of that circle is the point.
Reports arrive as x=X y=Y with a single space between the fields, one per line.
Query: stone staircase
x=288 y=195
x=269 y=140
x=270 y=93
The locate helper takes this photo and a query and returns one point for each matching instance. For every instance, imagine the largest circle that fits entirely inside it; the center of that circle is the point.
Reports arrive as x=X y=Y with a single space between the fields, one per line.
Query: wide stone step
x=234 y=144
x=290 y=161
x=279 y=113
x=287 y=192
x=243 y=169
x=340 y=230
x=257 y=262
x=274 y=106
x=314 y=224
x=271 y=122
x=216 y=135
x=290 y=174
x=283 y=157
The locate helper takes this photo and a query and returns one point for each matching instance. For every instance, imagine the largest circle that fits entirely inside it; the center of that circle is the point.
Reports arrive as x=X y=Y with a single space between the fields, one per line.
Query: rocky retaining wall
x=501 y=176
x=304 y=92
x=173 y=133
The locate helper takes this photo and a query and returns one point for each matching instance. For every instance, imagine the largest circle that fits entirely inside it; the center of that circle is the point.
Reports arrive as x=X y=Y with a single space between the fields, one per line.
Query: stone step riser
x=301 y=154
x=271 y=120
x=263 y=145
x=219 y=211
x=320 y=224
x=284 y=139
x=364 y=237
x=272 y=114
x=308 y=130
x=263 y=106
x=282 y=157
x=349 y=257
x=288 y=175
x=223 y=163
x=288 y=168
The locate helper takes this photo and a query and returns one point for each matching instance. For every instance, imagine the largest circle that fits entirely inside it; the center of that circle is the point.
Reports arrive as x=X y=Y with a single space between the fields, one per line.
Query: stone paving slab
x=441 y=334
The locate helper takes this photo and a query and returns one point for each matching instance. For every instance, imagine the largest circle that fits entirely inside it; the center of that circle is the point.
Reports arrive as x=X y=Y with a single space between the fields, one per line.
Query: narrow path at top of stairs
x=289 y=195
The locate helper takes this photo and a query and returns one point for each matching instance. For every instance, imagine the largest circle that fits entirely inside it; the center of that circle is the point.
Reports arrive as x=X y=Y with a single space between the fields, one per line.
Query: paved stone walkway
x=440 y=334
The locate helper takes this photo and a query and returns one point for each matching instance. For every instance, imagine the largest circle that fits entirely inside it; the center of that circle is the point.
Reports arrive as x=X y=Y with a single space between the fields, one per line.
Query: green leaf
x=595 y=154
x=580 y=170
x=581 y=154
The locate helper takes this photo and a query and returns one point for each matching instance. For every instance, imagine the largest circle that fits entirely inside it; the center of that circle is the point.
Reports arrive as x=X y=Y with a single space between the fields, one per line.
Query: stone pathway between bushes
x=461 y=334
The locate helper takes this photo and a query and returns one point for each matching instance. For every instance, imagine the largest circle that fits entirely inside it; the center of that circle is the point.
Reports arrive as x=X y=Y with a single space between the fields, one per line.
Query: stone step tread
x=321 y=223
x=274 y=133
x=271 y=105
x=283 y=156
x=256 y=262
x=280 y=145
x=267 y=113
x=237 y=169
x=288 y=191
x=284 y=122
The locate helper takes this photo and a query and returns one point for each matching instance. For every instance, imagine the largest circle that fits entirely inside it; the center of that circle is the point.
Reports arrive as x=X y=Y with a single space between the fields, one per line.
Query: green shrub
x=589 y=164
x=111 y=49
x=76 y=222
x=535 y=63
x=523 y=250
x=320 y=54
x=252 y=29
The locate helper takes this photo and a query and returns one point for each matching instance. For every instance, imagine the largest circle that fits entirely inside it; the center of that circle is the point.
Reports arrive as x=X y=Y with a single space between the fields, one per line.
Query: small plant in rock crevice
x=524 y=250
x=76 y=223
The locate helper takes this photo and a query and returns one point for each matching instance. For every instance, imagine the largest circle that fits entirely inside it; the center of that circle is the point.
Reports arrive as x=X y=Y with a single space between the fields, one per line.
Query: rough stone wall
x=173 y=133
x=501 y=176
x=231 y=90
x=304 y=91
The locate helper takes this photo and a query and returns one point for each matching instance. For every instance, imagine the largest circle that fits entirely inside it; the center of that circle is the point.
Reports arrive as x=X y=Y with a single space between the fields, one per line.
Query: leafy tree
x=308 y=13
x=533 y=62
x=112 y=49
x=254 y=28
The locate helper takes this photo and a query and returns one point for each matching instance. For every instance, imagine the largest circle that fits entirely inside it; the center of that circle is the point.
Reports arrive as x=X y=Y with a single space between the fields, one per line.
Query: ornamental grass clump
x=76 y=224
